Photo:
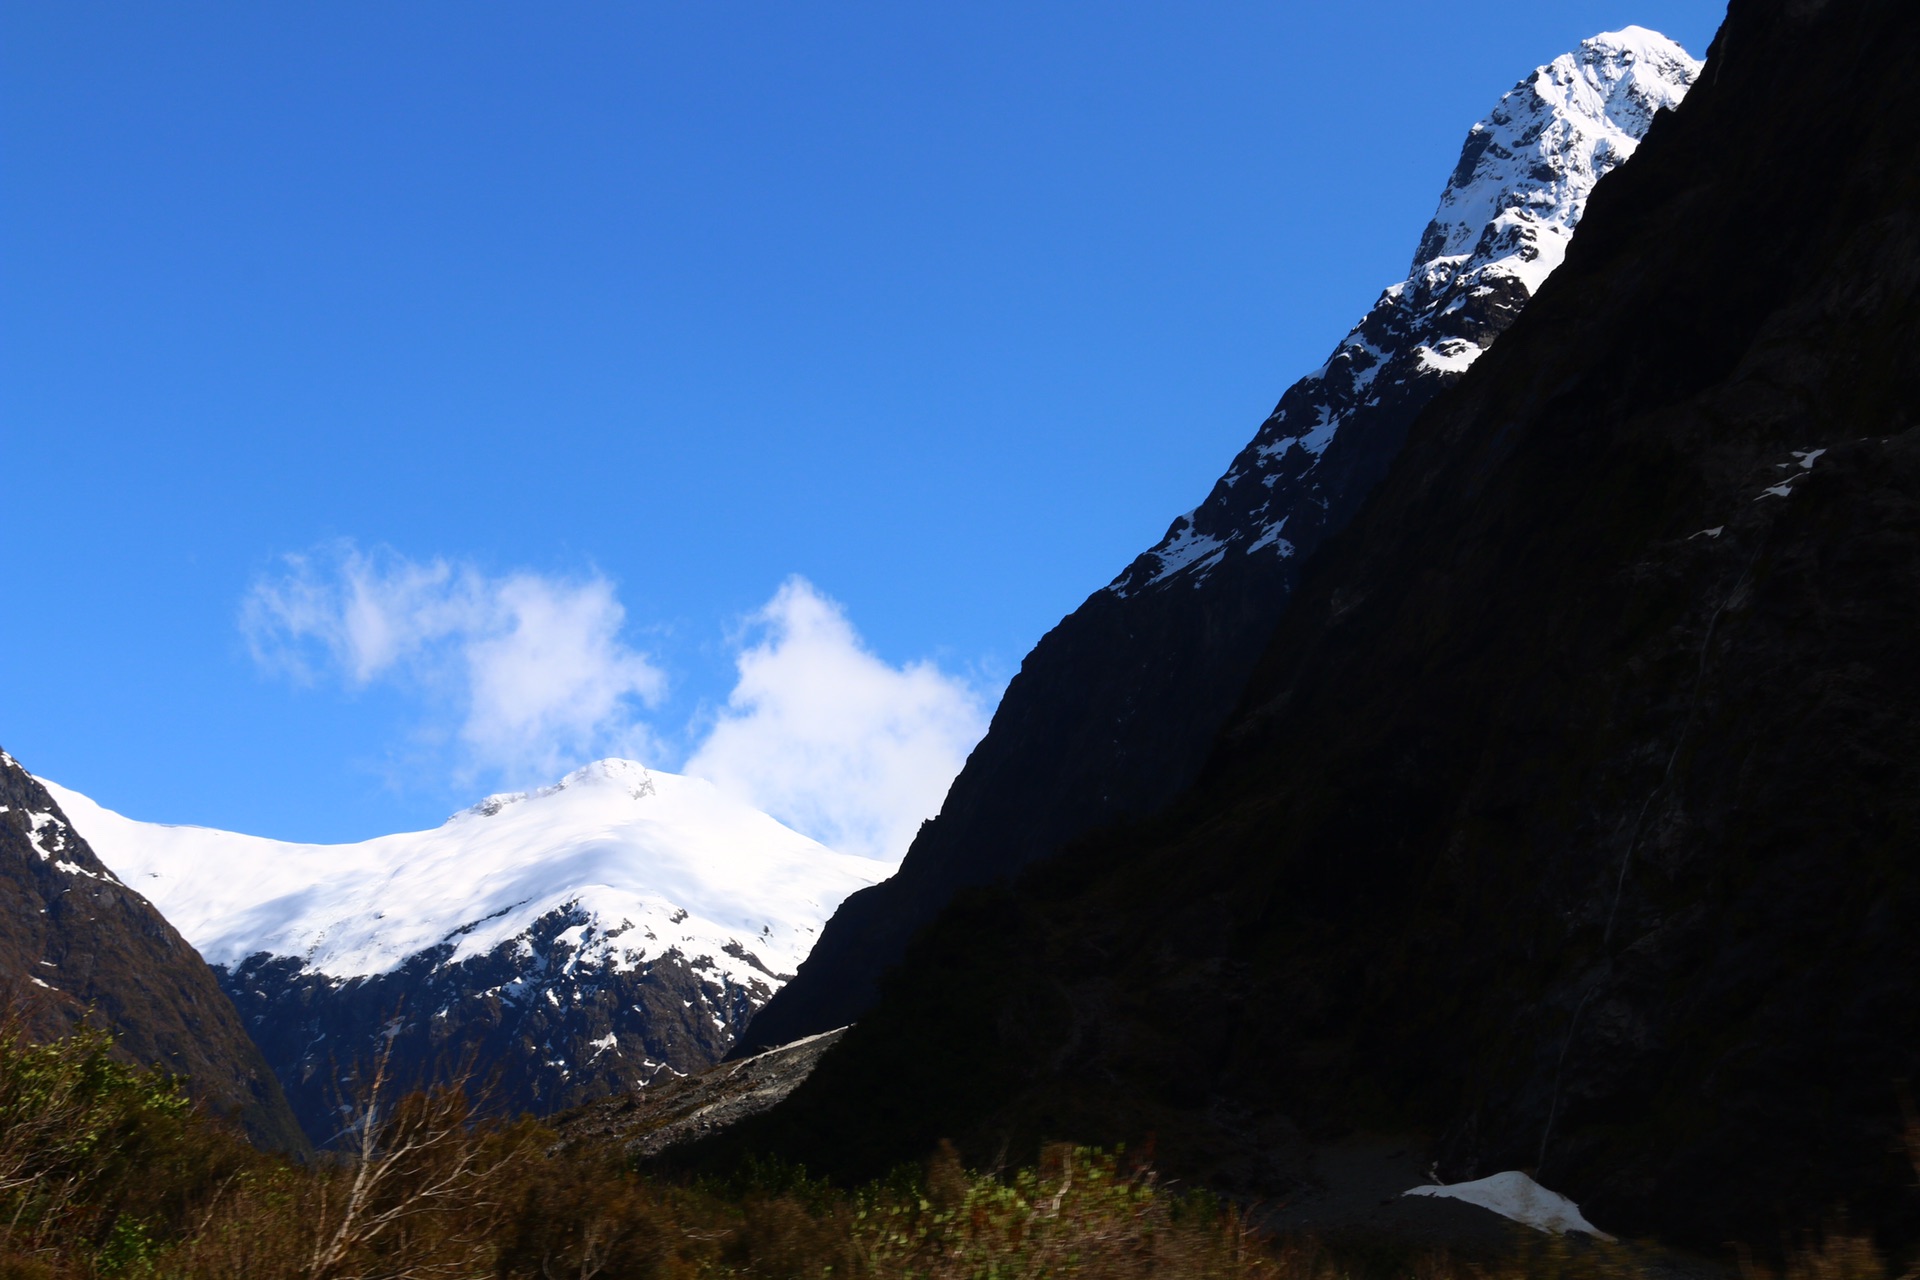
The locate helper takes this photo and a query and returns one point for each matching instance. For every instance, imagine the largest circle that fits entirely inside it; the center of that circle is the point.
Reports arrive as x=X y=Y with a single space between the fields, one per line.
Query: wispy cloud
x=529 y=675
x=531 y=667
x=833 y=740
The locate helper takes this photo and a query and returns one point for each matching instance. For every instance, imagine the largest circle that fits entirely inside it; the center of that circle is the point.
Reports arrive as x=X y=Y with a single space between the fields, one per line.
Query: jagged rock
x=646 y=1122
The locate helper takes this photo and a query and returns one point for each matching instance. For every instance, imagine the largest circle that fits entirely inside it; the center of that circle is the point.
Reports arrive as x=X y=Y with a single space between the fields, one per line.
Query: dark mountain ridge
x=1571 y=816
x=1114 y=710
x=79 y=946
x=535 y=1025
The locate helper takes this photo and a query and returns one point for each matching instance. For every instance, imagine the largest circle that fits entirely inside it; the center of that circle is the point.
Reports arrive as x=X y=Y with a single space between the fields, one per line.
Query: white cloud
x=528 y=676
x=833 y=740
x=533 y=666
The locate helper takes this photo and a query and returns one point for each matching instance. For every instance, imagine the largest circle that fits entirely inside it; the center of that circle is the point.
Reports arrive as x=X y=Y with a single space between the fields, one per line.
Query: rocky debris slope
x=585 y=939
x=1113 y=711
x=1572 y=814
x=700 y=1105
x=77 y=945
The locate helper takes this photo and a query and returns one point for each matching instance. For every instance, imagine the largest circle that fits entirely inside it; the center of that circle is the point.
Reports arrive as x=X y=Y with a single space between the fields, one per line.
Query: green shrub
x=99 y=1160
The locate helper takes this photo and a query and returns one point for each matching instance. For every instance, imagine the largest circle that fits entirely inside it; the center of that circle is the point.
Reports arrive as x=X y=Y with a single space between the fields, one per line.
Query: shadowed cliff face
x=78 y=945
x=1572 y=815
x=1113 y=713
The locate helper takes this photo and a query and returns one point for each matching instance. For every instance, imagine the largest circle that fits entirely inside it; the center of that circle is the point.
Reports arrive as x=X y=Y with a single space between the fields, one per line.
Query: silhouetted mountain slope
x=77 y=944
x=1573 y=815
x=1113 y=712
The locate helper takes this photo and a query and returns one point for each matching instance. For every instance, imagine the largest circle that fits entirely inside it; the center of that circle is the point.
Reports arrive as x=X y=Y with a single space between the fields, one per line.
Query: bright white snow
x=654 y=860
x=1186 y=546
x=1455 y=355
x=1514 y=1195
x=1535 y=160
x=37 y=822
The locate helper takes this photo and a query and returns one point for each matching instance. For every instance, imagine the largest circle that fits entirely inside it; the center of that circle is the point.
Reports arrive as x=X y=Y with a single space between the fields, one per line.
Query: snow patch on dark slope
x=1501 y=228
x=617 y=927
x=1114 y=710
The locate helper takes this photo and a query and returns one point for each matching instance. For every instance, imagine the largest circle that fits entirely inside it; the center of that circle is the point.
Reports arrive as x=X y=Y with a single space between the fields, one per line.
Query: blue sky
x=946 y=309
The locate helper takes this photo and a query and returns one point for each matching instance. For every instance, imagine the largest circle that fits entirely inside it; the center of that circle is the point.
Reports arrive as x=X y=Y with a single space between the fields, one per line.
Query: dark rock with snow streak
x=537 y=1024
x=78 y=946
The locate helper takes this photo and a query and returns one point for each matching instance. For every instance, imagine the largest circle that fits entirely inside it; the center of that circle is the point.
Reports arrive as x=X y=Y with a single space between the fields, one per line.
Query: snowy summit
x=1501 y=228
x=653 y=862
x=617 y=924
x=1527 y=170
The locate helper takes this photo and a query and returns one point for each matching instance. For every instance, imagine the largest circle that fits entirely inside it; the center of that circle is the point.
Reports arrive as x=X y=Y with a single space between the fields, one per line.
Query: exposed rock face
x=78 y=945
x=1114 y=710
x=586 y=939
x=648 y=1122
x=1572 y=814
x=536 y=1024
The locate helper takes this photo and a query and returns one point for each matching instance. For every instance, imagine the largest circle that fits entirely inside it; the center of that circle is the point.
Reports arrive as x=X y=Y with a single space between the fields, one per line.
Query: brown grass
x=106 y=1171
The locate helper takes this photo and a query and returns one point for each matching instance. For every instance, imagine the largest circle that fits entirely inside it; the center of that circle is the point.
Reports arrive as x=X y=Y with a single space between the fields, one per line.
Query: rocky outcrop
x=1572 y=814
x=1113 y=712
x=645 y=1123
x=78 y=946
x=538 y=1024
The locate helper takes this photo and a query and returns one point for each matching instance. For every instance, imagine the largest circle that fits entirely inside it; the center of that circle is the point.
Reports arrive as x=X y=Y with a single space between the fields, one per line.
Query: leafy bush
x=97 y=1156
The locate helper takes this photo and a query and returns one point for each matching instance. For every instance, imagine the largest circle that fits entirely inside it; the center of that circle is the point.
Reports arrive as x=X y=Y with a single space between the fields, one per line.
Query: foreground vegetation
x=107 y=1170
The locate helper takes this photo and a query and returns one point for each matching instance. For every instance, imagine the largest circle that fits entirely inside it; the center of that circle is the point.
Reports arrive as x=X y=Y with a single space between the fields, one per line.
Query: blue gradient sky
x=949 y=308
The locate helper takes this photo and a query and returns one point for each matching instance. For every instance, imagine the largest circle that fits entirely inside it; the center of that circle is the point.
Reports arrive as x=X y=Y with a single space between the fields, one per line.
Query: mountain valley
x=1502 y=789
x=1568 y=816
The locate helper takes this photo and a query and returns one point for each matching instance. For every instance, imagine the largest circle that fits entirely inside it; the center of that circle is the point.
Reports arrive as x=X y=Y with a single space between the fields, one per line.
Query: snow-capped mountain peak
x=628 y=775
x=658 y=861
x=1501 y=227
x=1525 y=172
x=619 y=902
